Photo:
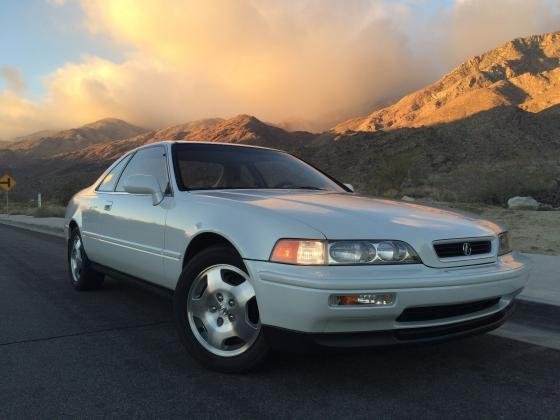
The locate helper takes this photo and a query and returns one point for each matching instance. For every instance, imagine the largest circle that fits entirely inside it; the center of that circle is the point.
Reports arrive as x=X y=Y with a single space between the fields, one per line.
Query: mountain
x=523 y=73
x=35 y=136
x=248 y=130
x=179 y=131
x=38 y=145
x=240 y=129
x=60 y=175
x=486 y=131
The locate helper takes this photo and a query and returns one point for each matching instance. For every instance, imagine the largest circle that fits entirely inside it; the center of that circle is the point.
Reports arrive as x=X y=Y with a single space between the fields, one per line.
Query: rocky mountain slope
x=486 y=131
x=524 y=73
x=240 y=129
x=60 y=175
x=33 y=136
x=47 y=143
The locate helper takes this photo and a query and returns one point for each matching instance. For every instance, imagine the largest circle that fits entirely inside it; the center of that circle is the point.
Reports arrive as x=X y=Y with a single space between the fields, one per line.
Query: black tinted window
x=208 y=166
x=150 y=161
x=201 y=174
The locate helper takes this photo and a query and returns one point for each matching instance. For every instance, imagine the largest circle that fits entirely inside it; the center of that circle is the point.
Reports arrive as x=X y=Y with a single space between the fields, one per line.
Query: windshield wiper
x=306 y=187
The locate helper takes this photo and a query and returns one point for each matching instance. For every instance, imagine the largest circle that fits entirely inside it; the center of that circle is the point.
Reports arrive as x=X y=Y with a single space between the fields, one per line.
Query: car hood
x=349 y=216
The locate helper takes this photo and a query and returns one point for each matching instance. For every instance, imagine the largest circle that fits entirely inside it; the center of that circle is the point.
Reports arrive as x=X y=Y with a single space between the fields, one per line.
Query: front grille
x=429 y=313
x=456 y=249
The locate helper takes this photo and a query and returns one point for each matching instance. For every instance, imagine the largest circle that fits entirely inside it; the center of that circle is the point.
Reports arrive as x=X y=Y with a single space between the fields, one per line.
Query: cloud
x=301 y=59
x=304 y=60
x=57 y=2
x=13 y=79
x=473 y=26
x=18 y=115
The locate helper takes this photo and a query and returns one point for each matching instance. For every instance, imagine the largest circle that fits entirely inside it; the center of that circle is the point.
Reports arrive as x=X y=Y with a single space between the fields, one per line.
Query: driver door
x=134 y=229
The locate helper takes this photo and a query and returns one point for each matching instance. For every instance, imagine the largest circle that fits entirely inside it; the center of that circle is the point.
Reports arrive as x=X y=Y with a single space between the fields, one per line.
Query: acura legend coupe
x=262 y=250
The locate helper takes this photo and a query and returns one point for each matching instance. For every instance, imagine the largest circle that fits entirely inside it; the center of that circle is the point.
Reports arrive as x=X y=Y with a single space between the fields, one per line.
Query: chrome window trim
x=165 y=155
x=110 y=168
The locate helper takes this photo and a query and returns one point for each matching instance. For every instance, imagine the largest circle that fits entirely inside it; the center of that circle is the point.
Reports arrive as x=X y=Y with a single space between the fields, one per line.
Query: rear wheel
x=216 y=312
x=82 y=276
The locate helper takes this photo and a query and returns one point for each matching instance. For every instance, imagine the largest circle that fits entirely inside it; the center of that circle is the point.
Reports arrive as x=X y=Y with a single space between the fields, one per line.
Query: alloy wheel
x=222 y=310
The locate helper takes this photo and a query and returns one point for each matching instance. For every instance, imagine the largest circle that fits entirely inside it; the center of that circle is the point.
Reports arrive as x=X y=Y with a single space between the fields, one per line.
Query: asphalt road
x=114 y=352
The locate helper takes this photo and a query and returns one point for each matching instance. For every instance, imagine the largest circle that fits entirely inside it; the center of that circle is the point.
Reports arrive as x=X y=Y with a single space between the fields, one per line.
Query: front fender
x=72 y=215
x=252 y=230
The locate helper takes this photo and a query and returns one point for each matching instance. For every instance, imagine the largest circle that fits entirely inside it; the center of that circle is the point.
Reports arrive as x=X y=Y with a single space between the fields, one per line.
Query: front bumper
x=296 y=298
x=282 y=339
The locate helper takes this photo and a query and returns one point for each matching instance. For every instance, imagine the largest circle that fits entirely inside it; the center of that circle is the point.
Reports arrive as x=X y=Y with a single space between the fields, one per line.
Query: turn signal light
x=302 y=252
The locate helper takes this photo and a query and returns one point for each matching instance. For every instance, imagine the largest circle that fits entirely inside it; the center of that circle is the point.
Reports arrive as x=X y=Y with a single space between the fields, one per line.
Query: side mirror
x=350 y=187
x=144 y=184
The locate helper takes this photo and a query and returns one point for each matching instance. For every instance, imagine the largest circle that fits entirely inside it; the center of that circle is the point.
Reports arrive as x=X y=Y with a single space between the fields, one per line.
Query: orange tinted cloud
x=303 y=60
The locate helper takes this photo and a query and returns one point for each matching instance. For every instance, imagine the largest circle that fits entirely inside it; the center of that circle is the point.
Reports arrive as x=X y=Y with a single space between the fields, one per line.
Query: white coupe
x=262 y=250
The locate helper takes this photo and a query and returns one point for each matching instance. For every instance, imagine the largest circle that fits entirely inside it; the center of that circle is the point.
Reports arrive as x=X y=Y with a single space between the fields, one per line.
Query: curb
x=40 y=229
x=537 y=315
x=534 y=301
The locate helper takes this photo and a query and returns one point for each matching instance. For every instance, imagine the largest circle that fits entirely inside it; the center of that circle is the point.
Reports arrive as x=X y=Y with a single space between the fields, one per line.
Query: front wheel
x=216 y=312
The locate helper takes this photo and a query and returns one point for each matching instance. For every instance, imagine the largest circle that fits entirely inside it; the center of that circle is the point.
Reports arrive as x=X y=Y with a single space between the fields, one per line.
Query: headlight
x=371 y=252
x=504 y=245
x=311 y=252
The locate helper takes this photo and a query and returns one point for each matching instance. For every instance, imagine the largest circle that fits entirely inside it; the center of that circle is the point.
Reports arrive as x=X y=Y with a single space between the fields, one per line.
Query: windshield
x=214 y=167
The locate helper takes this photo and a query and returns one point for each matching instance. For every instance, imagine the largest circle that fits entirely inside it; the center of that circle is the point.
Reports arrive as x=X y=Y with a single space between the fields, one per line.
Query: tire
x=210 y=328
x=81 y=275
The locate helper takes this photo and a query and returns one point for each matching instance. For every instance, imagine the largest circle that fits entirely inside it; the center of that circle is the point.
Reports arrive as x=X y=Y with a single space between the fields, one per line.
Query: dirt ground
x=536 y=232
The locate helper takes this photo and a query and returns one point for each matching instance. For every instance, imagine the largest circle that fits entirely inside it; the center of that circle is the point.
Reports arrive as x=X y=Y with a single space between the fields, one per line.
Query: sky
x=302 y=63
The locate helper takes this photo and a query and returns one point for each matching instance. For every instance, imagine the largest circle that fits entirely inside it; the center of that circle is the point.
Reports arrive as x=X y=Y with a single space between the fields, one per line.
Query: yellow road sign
x=7 y=183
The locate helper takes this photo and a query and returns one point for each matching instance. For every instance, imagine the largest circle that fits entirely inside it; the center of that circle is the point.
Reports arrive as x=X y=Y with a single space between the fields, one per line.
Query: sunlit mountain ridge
x=524 y=73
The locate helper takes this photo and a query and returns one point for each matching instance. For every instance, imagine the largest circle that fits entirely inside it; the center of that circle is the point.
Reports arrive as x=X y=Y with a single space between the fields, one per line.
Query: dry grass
x=536 y=232
x=47 y=210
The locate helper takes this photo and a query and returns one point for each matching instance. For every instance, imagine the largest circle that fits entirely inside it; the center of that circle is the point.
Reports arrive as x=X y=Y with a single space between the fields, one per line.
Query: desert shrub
x=393 y=176
x=496 y=184
x=29 y=208
x=16 y=207
x=49 y=211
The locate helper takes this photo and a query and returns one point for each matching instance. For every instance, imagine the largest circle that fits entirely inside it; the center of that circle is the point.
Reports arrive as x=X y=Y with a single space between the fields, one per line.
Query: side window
x=150 y=161
x=110 y=180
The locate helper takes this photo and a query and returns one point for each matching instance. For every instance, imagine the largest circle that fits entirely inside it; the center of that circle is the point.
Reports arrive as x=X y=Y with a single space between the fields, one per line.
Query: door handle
x=108 y=205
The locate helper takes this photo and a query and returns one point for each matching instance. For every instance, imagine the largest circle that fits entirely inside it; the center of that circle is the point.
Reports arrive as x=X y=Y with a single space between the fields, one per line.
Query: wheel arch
x=73 y=225
x=204 y=240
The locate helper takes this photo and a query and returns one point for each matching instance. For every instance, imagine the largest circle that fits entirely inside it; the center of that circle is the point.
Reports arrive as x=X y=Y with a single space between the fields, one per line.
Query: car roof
x=216 y=143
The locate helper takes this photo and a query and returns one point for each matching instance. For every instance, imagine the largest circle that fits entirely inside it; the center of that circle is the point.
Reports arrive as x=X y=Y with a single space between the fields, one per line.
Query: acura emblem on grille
x=467 y=248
